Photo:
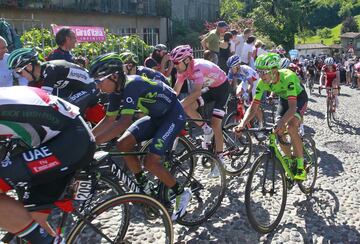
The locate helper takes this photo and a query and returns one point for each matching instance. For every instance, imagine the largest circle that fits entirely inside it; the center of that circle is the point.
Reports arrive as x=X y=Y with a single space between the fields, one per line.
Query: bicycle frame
x=274 y=150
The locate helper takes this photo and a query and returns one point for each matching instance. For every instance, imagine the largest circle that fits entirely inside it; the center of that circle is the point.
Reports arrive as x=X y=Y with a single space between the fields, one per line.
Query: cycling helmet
x=233 y=60
x=107 y=64
x=181 y=52
x=161 y=47
x=21 y=57
x=284 y=63
x=129 y=57
x=267 y=61
x=329 y=61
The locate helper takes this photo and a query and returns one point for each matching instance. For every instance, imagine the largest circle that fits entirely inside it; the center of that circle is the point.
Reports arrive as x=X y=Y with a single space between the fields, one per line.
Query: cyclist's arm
x=177 y=87
x=191 y=98
x=116 y=129
x=103 y=125
x=250 y=113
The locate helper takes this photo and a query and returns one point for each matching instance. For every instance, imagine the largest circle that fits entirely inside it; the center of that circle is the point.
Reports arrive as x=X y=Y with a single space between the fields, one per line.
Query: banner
x=294 y=53
x=84 y=33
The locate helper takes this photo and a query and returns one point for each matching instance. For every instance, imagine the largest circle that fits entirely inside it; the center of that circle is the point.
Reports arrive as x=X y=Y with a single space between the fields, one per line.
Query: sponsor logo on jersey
x=36 y=154
x=160 y=144
x=44 y=164
x=166 y=98
x=129 y=100
x=77 y=95
x=291 y=86
x=61 y=84
x=77 y=74
x=169 y=131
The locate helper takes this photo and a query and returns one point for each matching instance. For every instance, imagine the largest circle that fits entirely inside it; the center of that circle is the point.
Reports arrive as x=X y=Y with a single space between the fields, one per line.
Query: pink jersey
x=203 y=72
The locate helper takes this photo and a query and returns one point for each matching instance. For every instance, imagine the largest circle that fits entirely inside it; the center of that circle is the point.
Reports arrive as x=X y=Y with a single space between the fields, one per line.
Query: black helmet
x=107 y=64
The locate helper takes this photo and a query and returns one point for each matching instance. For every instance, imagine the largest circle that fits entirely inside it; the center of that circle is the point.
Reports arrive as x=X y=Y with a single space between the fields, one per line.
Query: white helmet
x=329 y=61
x=284 y=63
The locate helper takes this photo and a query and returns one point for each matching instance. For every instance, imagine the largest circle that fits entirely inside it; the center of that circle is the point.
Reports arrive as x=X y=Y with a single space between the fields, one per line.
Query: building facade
x=350 y=41
x=145 y=17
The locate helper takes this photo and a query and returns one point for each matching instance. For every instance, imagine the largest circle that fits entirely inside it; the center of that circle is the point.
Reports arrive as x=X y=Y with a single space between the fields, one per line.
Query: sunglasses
x=19 y=71
x=263 y=72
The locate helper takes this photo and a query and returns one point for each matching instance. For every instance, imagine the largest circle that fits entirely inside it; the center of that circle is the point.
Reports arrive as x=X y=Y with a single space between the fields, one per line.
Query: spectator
x=6 y=75
x=211 y=40
x=259 y=45
x=65 y=38
x=224 y=51
x=247 y=52
x=239 y=41
x=208 y=55
x=160 y=60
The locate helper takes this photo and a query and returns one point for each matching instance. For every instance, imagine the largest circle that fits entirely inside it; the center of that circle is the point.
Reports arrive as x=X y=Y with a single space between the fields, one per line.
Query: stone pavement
x=330 y=215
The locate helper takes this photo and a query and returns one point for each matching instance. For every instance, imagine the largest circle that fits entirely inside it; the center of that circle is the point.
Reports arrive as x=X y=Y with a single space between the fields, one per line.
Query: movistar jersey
x=288 y=87
x=151 y=74
x=152 y=97
x=33 y=115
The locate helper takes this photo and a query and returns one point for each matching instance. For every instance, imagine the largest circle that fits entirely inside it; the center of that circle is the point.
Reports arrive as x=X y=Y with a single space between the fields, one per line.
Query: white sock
x=206 y=128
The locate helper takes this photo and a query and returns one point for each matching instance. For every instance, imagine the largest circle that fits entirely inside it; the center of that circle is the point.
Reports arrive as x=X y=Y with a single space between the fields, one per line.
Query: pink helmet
x=181 y=52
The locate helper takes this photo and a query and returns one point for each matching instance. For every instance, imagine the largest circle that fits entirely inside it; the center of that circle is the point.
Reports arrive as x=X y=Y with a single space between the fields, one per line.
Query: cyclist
x=247 y=88
x=311 y=71
x=292 y=104
x=131 y=67
x=331 y=75
x=59 y=143
x=210 y=84
x=73 y=81
x=130 y=61
x=164 y=119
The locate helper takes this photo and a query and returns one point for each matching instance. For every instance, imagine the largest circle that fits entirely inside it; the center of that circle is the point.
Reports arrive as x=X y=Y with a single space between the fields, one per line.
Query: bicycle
x=105 y=221
x=310 y=83
x=271 y=176
x=331 y=107
x=181 y=161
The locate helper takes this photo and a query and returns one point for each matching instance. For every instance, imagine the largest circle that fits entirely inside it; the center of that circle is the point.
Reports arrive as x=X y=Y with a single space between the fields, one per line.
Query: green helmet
x=267 y=61
x=21 y=57
x=128 y=56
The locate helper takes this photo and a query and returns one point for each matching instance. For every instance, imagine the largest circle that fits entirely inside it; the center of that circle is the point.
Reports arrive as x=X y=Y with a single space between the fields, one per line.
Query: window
x=358 y=44
x=127 y=31
x=151 y=36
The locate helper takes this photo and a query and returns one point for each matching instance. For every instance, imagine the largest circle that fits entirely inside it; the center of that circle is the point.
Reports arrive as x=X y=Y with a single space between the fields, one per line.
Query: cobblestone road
x=330 y=215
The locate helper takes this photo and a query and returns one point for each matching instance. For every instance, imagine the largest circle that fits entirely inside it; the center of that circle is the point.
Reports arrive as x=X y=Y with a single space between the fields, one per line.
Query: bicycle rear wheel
x=207 y=192
x=106 y=216
x=237 y=150
x=310 y=164
x=265 y=194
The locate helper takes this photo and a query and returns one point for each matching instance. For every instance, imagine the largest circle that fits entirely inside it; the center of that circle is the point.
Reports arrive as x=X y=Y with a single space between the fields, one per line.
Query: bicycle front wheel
x=265 y=194
x=207 y=189
x=102 y=224
x=310 y=164
x=237 y=151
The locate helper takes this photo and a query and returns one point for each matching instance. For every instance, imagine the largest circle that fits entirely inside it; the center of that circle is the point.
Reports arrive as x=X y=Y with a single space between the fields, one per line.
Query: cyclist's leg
x=167 y=130
x=141 y=130
x=191 y=110
x=281 y=110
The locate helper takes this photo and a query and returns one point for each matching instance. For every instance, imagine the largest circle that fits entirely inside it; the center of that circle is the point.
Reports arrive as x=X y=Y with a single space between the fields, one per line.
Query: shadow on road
x=344 y=127
x=314 y=113
x=330 y=164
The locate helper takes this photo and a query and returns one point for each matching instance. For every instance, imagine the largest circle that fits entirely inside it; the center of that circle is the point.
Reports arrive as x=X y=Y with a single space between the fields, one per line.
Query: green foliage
x=230 y=10
x=44 y=41
x=349 y=25
x=324 y=33
x=346 y=6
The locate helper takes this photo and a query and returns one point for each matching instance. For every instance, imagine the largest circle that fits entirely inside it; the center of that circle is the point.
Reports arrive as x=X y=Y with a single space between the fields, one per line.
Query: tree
x=231 y=9
x=281 y=19
x=349 y=25
x=345 y=5
x=324 y=33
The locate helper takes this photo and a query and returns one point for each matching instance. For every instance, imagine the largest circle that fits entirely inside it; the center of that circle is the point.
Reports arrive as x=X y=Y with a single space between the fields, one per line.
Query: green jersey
x=288 y=87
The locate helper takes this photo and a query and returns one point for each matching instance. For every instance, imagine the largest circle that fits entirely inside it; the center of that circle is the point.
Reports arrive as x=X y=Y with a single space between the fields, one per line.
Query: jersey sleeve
x=260 y=88
x=130 y=100
x=291 y=90
x=49 y=80
x=113 y=108
x=230 y=76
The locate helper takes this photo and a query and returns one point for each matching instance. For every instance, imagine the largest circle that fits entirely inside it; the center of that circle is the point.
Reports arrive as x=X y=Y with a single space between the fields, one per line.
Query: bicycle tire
x=249 y=204
x=230 y=119
x=237 y=151
x=214 y=193
x=310 y=163
x=131 y=198
x=328 y=113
